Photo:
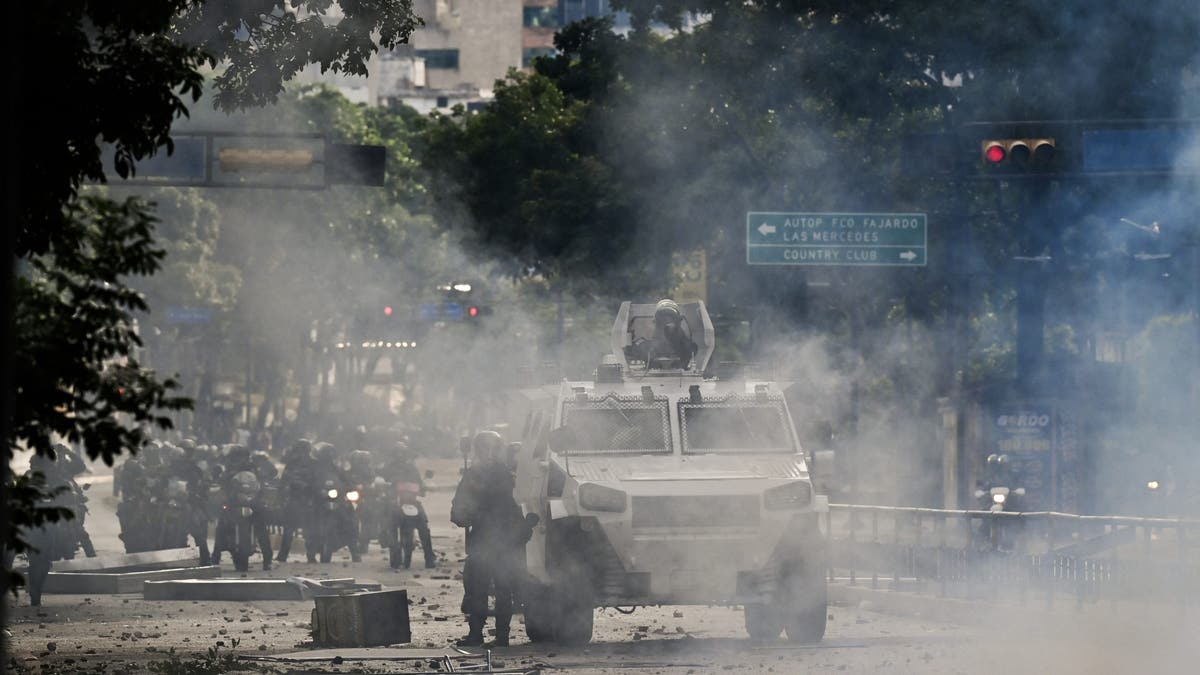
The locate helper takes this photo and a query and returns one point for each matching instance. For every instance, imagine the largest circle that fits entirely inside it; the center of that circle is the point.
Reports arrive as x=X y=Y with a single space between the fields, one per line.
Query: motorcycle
x=370 y=513
x=237 y=523
x=995 y=532
x=171 y=512
x=407 y=518
x=334 y=525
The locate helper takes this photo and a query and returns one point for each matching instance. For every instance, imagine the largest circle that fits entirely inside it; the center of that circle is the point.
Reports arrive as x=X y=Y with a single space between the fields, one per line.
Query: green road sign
x=854 y=239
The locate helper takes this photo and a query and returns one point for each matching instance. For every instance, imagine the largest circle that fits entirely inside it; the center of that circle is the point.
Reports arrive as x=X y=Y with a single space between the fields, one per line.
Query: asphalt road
x=109 y=634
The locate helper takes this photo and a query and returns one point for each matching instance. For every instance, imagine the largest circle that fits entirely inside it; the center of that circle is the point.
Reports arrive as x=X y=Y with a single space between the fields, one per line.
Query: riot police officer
x=484 y=505
x=53 y=540
x=298 y=487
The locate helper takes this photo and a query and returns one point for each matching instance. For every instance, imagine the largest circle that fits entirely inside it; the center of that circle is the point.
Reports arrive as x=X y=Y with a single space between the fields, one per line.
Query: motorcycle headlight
x=795 y=495
x=600 y=498
x=332 y=494
x=352 y=495
x=1152 y=485
x=999 y=499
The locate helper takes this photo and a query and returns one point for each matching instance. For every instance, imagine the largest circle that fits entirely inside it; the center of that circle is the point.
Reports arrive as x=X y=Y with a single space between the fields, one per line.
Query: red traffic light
x=1019 y=153
x=387 y=311
x=472 y=311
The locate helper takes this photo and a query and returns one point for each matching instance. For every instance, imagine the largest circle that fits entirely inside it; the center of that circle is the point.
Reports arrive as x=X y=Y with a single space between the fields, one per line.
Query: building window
x=441 y=59
x=541 y=17
x=530 y=53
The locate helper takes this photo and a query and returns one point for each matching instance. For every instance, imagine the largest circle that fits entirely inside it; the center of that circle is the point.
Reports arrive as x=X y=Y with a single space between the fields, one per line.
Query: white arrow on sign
x=908 y=255
x=766 y=229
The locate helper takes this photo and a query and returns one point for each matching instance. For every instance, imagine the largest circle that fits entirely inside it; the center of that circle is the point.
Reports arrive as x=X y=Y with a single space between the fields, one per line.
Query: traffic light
x=1018 y=153
x=477 y=312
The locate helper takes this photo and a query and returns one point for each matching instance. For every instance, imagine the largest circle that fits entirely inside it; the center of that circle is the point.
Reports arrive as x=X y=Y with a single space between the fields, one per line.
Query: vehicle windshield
x=733 y=426
x=618 y=426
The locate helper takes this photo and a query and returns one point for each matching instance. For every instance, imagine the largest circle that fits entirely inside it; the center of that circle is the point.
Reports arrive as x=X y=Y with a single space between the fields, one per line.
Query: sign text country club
x=862 y=239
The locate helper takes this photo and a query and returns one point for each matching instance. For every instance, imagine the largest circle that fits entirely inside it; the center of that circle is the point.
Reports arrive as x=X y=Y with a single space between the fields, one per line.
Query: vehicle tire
x=539 y=617
x=326 y=554
x=241 y=561
x=807 y=600
x=395 y=557
x=573 y=608
x=763 y=622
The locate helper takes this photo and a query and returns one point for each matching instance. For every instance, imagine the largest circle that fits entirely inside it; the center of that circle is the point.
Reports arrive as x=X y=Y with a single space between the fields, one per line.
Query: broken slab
x=133 y=562
x=105 y=582
x=292 y=588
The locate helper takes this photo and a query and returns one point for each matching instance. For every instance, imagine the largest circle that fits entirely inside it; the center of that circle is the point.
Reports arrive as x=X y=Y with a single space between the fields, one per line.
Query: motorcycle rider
x=483 y=504
x=187 y=467
x=322 y=536
x=298 y=485
x=53 y=540
x=242 y=490
x=403 y=469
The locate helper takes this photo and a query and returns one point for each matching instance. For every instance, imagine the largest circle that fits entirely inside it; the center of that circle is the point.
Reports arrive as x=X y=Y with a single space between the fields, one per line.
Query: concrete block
x=101 y=583
x=361 y=619
x=133 y=562
x=292 y=588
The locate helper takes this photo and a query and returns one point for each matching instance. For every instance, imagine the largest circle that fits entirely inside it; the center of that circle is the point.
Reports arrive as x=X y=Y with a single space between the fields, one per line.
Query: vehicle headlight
x=794 y=495
x=999 y=499
x=332 y=494
x=600 y=498
x=352 y=495
x=1152 y=485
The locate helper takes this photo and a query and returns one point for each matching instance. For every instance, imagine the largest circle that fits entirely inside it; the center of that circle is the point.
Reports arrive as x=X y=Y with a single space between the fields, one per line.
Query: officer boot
x=502 y=625
x=475 y=637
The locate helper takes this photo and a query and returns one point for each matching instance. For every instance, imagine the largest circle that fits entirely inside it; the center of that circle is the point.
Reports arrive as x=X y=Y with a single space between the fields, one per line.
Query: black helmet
x=360 y=458
x=487 y=445
x=325 y=452
x=667 y=311
x=236 y=455
x=300 y=448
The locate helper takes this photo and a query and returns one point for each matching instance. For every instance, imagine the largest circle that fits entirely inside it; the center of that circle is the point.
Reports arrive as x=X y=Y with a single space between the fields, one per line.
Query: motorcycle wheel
x=408 y=544
x=241 y=561
x=395 y=557
x=326 y=554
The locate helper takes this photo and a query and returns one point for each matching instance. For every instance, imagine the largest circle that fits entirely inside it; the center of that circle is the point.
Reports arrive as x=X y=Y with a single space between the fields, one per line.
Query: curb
x=992 y=614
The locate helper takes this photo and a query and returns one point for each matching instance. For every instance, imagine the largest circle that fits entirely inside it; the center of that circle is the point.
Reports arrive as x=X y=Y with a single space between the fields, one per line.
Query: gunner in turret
x=672 y=345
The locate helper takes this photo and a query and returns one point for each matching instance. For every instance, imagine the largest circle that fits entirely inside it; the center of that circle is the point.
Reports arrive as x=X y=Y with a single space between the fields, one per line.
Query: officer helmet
x=667 y=312
x=325 y=452
x=360 y=459
x=236 y=454
x=171 y=453
x=263 y=466
x=487 y=445
x=300 y=449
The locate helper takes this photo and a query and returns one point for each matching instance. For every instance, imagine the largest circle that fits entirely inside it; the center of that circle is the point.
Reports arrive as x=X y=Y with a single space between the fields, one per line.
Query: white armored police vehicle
x=658 y=486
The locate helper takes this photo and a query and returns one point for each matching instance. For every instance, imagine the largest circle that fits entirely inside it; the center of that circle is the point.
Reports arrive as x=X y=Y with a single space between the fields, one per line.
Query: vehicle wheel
x=807 y=609
x=575 y=624
x=395 y=558
x=241 y=561
x=326 y=554
x=763 y=622
x=539 y=619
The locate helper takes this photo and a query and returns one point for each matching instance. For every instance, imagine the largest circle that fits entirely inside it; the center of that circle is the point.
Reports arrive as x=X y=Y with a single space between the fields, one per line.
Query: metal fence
x=1044 y=556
